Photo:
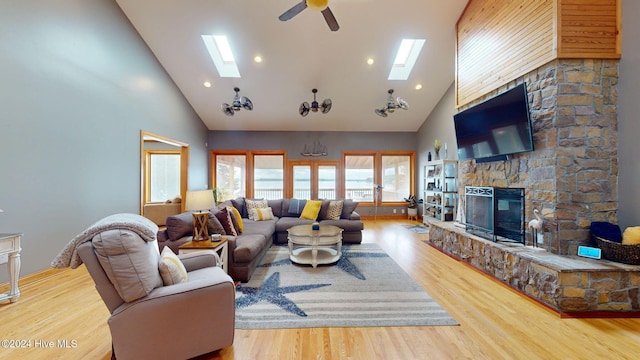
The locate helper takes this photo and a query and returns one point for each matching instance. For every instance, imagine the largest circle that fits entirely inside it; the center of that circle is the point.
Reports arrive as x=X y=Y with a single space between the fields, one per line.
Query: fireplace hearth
x=494 y=213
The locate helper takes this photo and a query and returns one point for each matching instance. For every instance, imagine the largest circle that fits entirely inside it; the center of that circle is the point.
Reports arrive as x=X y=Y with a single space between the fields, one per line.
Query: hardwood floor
x=496 y=322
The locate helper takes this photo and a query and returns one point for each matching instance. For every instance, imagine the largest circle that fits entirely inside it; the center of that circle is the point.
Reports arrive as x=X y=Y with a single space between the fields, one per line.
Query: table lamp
x=200 y=202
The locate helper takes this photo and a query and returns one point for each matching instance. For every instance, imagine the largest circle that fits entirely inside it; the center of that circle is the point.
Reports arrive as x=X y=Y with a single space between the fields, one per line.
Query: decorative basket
x=627 y=254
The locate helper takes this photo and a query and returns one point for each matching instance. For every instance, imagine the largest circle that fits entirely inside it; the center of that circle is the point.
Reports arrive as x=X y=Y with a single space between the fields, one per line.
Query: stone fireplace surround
x=571 y=285
x=571 y=177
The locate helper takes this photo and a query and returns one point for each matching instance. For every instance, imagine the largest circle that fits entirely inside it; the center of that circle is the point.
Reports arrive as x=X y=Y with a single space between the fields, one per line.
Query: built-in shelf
x=440 y=190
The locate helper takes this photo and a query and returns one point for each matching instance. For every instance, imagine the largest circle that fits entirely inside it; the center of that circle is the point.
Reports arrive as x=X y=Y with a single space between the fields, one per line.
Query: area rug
x=418 y=229
x=364 y=288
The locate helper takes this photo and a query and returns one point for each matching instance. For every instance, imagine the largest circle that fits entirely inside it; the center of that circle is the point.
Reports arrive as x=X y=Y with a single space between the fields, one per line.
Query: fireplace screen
x=495 y=213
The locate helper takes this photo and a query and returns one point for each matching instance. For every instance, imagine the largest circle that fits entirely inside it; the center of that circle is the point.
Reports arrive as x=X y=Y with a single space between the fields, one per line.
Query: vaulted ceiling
x=302 y=54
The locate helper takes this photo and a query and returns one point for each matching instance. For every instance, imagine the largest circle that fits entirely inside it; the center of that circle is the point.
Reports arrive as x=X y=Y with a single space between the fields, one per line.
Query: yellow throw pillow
x=311 y=210
x=631 y=235
x=238 y=217
x=172 y=269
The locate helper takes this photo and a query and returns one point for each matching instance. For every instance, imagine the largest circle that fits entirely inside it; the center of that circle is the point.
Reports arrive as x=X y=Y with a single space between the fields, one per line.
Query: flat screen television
x=496 y=128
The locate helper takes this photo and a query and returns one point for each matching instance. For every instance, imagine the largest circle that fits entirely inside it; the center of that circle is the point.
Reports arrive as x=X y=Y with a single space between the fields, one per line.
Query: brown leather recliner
x=170 y=322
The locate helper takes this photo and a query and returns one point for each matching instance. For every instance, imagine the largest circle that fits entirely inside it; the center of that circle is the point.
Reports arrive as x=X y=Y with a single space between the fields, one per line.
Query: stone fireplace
x=571 y=177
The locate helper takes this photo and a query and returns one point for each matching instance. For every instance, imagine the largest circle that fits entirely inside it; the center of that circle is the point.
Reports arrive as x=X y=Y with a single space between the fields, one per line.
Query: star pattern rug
x=364 y=288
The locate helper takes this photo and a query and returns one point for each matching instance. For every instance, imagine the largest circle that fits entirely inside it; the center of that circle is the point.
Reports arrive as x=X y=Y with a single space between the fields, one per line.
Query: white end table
x=10 y=245
x=308 y=246
x=221 y=247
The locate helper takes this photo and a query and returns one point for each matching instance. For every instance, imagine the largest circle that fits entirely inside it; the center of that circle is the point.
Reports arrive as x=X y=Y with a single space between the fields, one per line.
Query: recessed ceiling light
x=258 y=59
x=370 y=61
x=405 y=58
x=419 y=86
x=207 y=84
x=221 y=54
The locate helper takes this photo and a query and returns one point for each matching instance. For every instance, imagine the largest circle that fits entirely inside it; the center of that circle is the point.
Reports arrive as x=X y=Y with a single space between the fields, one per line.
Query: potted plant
x=412 y=208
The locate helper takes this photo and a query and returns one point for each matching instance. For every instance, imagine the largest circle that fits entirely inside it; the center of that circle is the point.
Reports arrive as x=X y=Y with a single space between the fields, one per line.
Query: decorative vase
x=429 y=156
x=437 y=155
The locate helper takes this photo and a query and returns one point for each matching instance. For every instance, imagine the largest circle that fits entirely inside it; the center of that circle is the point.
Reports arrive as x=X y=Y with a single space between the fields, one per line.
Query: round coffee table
x=308 y=246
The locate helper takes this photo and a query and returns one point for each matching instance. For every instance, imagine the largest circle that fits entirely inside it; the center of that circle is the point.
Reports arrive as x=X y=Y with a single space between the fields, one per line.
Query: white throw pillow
x=172 y=269
x=260 y=214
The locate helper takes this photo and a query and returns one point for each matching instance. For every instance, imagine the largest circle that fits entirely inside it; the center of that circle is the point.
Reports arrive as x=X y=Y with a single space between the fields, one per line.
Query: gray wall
x=293 y=142
x=77 y=86
x=628 y=122
x=439 y=125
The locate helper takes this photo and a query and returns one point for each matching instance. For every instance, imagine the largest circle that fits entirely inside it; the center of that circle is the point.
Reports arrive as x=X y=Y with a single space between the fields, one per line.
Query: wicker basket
x=627 y=254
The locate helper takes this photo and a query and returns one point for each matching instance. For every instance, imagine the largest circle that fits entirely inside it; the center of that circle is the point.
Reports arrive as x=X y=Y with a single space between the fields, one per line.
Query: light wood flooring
x=496 y=322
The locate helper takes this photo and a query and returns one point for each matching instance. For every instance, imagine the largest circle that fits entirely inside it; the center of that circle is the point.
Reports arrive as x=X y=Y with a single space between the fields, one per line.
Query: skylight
x=405 y=58
x=221 y=54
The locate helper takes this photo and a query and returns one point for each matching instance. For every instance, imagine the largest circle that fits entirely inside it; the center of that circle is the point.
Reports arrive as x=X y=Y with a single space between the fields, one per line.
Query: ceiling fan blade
x=295 y=10
x=326 y=106
x=246 y=103
x=381 y=112
x=330 y=19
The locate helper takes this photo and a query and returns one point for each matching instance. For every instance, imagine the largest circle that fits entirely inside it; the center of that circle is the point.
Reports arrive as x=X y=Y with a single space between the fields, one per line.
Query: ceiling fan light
x=317 y=5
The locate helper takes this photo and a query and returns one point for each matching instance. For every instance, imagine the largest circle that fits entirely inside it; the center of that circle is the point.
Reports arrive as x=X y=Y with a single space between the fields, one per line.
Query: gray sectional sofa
x=248 y=248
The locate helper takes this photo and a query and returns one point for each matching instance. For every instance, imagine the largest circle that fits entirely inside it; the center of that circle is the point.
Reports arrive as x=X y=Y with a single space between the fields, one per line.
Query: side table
x=221 y=247
x=10 y=245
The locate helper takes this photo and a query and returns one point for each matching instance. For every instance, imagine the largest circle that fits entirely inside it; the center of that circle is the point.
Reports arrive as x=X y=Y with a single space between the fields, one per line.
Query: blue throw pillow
x=606 y=230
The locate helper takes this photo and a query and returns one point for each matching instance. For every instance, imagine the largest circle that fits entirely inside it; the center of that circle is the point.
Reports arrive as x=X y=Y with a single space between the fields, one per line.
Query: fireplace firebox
x=495 y=214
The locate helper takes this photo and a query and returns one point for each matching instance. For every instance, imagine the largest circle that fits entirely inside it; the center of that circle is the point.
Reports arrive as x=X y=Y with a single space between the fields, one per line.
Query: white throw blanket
x=142 y=226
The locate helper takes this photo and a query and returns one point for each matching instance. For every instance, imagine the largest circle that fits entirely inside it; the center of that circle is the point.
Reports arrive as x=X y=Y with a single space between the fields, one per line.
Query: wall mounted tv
x=496 y=128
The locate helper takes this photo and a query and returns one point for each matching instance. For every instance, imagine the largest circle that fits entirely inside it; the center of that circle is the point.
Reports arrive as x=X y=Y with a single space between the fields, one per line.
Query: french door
x=314 y=179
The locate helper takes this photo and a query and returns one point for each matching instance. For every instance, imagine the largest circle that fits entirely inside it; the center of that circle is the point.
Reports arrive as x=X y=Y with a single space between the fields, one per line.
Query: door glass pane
x=327 y=182
x=231 y=174
x=268 y=176
x=358 y=176
x=396 y=181
x=165 y=177
x=302 y=182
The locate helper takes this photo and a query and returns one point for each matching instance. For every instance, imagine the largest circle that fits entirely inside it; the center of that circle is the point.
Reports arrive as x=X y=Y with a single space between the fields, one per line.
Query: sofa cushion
x=236 y=219
x=131 y=264
x=276 y=207
x=248 y=246
x=345 y=224
x=296 y=206
x=240 y=205
x=224 y=217
x=286 y=222
x=348 y=207
x=265 y=227
x=311 y=210
x=255 y=204
x=331 y=210
x=261 y=214
x=214 y=226
x=172 y=269
x=179 y=226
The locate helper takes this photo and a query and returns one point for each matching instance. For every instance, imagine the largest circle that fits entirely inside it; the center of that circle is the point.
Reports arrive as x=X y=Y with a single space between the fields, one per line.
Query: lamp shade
x=199 y=200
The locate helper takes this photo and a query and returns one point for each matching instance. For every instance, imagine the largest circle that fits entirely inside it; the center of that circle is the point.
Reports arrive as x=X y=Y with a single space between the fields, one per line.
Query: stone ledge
x=565 y=283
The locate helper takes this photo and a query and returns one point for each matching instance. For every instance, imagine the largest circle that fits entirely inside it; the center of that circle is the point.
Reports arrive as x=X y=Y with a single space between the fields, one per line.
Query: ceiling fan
x=392 y=105
x=318 y=5
x=305 y=107
x=237 y=104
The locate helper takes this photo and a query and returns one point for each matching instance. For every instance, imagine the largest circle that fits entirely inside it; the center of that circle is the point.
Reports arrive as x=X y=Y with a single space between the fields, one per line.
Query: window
x=359 y=177
x=396 y=178
x=164 y=175
x=252 y=174
x=394 y=171
x=268 y=176
x=231 y=175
